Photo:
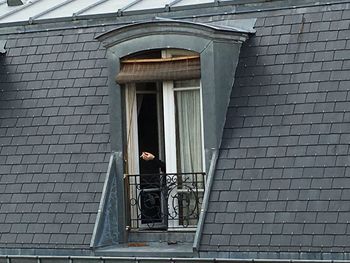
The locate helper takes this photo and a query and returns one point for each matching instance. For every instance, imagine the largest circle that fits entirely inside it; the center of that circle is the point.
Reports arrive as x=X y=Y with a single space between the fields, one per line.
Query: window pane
x=189 y=137
x=189 y=150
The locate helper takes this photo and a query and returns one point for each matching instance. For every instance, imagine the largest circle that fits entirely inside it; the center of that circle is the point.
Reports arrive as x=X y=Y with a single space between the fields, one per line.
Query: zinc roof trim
x=16 y=9
x=149 y=4
x=31 y=19
x=83 y=10
x=133 y=3
x=174 y=2
x=214 y=25
x=2 y=46
x=15 y=16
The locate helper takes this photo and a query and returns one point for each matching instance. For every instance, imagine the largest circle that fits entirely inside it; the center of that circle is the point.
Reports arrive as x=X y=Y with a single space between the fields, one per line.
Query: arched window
x=164 y=116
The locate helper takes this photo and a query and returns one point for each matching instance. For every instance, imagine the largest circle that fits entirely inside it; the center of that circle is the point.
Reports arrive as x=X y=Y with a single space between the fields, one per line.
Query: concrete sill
x=149 y=249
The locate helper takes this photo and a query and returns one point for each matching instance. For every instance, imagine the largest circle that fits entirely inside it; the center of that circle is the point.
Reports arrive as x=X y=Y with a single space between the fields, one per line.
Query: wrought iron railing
x=162 y=201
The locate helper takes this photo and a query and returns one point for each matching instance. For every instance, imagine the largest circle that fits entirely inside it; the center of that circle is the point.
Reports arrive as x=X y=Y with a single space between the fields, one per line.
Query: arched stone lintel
x=171 y=27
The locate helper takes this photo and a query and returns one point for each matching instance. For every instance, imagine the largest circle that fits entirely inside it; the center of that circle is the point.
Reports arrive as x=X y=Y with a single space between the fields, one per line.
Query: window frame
x=167 y=102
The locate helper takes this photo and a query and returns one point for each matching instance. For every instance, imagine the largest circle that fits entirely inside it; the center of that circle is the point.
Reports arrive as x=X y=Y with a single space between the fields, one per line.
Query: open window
x=163 y=116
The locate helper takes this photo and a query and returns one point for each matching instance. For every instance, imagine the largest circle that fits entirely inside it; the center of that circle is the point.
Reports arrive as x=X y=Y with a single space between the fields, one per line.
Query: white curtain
x=189 y=147
x=189 y=141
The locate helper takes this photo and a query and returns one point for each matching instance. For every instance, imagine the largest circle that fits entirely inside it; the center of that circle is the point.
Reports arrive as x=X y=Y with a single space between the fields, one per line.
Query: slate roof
x=34 y=10
x=282 y=182
x=54 y=138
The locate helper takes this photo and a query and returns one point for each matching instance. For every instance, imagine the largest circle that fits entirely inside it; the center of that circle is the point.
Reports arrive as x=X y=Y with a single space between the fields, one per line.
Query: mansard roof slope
x=281 y=183
x=281 y=187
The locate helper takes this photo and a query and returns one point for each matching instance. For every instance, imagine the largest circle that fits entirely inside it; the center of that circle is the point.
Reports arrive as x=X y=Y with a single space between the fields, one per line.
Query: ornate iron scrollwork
x=163 y=200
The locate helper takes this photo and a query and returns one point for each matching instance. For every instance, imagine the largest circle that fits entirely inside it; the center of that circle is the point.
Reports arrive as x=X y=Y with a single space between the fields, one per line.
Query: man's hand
x=147 y=156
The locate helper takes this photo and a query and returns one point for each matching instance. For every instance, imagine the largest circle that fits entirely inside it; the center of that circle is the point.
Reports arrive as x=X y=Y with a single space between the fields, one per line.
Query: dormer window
x=170 y=83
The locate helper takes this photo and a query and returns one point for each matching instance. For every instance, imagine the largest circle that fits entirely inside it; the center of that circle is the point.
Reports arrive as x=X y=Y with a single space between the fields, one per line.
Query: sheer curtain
x=189 y=141
x=189 y=153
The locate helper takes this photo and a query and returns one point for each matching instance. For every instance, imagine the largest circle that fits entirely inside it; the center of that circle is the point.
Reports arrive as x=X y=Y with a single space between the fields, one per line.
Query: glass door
x=183 y=133
x=145 y=134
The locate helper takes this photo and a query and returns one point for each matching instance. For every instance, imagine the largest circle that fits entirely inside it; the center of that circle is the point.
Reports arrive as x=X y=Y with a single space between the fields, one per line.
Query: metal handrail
x=164 y=200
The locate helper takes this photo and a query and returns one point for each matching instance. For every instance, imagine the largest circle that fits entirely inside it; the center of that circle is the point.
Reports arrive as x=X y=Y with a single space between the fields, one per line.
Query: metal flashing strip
x=31 y=19
x=174 y=2
x=95 y=259
x=129 y=5
x=222 y=4
x=3 y=2
x=238 y=25
x=205 y=203
x=2 y=46
x=30 y=3
x=250 y=7
x=103 y=201
x=246 y=25
x=89 y=7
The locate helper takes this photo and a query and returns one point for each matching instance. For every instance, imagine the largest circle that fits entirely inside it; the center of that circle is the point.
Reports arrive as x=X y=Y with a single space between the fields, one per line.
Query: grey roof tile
x=340 y=25
x=343 y=34
x=220 y=239
x=41 y=238
x=59 y=74
x=52 y=228
x=281 y=29
x=340 y=75
x=91 y=46
x=264 y=218
x=335 y=45
x=310 y=67
x=80 y=55
x=318 y=205
x=85 y=228
x=51 y=57
x=341 y=55
x=87 y=64
x=303 y=129
x=274 y=20
x=75 y=239
x=8 y=238
x=264 y=163
x=58 y=239
x=56 y=67
x=60 y=129
x=84 y=37
x=243 y=163
x=76 y=101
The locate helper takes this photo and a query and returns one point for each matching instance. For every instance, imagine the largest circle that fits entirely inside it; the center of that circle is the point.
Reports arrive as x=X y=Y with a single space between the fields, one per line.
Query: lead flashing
x=176 y=12
x=242 y=25
x=169 y=26
x=31 y=19
x=204 y=208
x=2 y=46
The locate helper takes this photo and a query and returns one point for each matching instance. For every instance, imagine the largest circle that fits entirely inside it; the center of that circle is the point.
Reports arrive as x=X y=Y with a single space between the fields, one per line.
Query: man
x=149 y=157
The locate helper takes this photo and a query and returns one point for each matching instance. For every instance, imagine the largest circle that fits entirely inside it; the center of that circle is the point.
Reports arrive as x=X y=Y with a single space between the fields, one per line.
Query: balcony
x=164 y=201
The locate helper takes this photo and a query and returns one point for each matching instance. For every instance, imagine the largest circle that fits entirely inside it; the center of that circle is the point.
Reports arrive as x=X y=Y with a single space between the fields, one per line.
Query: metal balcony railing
x=163 y=201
